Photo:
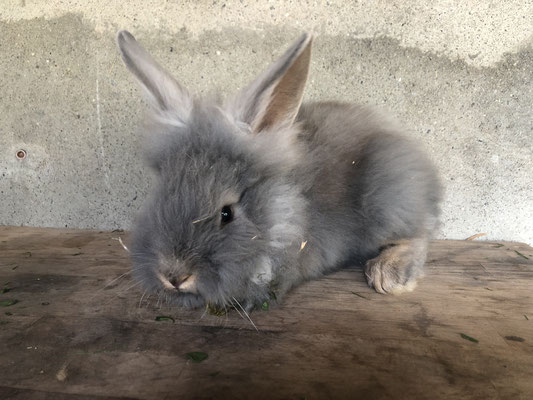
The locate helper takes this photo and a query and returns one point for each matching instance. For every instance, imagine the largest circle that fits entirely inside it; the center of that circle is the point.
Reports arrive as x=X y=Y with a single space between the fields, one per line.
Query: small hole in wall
x=21 y=154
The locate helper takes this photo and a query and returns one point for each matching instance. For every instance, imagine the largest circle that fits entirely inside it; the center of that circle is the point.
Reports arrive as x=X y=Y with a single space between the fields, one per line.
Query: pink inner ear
x=274 y=97
x=287 y=94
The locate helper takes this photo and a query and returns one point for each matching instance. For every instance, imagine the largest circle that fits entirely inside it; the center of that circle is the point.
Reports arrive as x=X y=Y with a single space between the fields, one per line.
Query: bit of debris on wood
x=515 y=338
x=498 y=245
x=7 y=303
x=61 y=375
x=164 y=318
x=521 y=255
x=264 y=306
x=216 y=310
x=360 y=295
x=475 y=236
x=122 y=244
x=197 y=356
x=469 y=338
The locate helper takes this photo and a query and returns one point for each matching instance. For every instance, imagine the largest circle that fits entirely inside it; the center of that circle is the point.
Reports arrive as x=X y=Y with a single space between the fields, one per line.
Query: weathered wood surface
x=78 y=332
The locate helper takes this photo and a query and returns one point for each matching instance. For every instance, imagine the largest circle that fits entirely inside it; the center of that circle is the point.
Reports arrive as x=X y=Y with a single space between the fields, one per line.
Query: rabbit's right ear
x=161 y=90
x=273 y=99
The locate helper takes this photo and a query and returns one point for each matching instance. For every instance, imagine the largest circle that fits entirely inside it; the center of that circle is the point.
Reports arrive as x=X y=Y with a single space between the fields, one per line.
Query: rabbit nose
x=187 y=284
x=177 y=280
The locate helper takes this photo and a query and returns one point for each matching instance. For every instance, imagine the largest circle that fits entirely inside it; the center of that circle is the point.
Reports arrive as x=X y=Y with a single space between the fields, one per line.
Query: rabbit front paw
x=396 y=269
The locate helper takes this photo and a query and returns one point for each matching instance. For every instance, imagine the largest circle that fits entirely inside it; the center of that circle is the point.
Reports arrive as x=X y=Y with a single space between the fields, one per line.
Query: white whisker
x=131 y=287
x=109 y=284
x=236 y=309
x=142 y=297
x=204 y=313
x=116 y=279
x=245 y=313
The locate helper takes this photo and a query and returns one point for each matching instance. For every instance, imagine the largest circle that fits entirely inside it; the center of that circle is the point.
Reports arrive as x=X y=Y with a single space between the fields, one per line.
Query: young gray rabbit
x=258 y=193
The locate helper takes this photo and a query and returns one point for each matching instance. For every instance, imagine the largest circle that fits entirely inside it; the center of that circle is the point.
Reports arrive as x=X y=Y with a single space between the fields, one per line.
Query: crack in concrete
x=105 y=168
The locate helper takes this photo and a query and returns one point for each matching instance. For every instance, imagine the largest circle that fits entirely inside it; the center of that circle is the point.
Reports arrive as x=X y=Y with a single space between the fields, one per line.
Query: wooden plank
x=76 y=331
x=8 y=393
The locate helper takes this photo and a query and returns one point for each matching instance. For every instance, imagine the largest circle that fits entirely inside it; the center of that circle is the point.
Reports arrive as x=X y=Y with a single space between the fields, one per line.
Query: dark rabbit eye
x=226 y=215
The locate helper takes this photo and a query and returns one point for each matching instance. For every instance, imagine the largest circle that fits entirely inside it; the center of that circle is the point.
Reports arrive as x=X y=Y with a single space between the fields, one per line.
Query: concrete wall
x=458 y=74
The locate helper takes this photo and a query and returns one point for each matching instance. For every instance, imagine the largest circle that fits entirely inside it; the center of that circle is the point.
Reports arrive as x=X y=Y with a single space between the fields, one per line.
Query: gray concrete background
x=457 y=74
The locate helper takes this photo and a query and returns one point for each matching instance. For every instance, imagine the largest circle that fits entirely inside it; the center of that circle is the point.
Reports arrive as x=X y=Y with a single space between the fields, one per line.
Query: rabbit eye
x=226 y=215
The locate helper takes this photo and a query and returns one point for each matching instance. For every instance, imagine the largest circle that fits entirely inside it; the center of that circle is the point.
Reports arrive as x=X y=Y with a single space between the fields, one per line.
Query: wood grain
x=78 y=332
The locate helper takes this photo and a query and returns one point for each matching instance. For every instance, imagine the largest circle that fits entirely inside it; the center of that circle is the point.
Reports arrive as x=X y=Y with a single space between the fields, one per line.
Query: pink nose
x=175 y=281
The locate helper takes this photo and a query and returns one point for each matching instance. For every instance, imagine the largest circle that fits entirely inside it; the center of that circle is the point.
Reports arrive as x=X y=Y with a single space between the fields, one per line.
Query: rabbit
x=258 y=193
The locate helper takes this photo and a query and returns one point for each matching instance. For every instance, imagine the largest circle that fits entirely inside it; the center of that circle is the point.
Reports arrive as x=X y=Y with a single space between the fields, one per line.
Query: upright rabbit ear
x=274 y=98
x=162 y=91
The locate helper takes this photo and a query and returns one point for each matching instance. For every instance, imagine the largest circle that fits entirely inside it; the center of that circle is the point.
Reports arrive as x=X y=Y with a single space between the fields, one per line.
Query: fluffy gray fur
x=311 y=187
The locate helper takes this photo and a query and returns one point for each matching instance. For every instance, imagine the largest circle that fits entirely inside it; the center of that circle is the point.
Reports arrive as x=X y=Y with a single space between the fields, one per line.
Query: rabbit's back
x=369 y=183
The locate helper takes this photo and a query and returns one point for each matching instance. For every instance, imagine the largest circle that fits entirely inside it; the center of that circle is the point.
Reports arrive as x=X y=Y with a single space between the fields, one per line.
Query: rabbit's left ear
x=274 y=98
x=161 y=90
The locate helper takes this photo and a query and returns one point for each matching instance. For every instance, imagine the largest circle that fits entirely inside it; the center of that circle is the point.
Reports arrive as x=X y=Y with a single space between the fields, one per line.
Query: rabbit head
x=224 y=213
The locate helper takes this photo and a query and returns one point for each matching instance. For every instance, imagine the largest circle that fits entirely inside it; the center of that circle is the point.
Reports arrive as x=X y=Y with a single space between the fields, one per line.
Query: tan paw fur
x=394 y=271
